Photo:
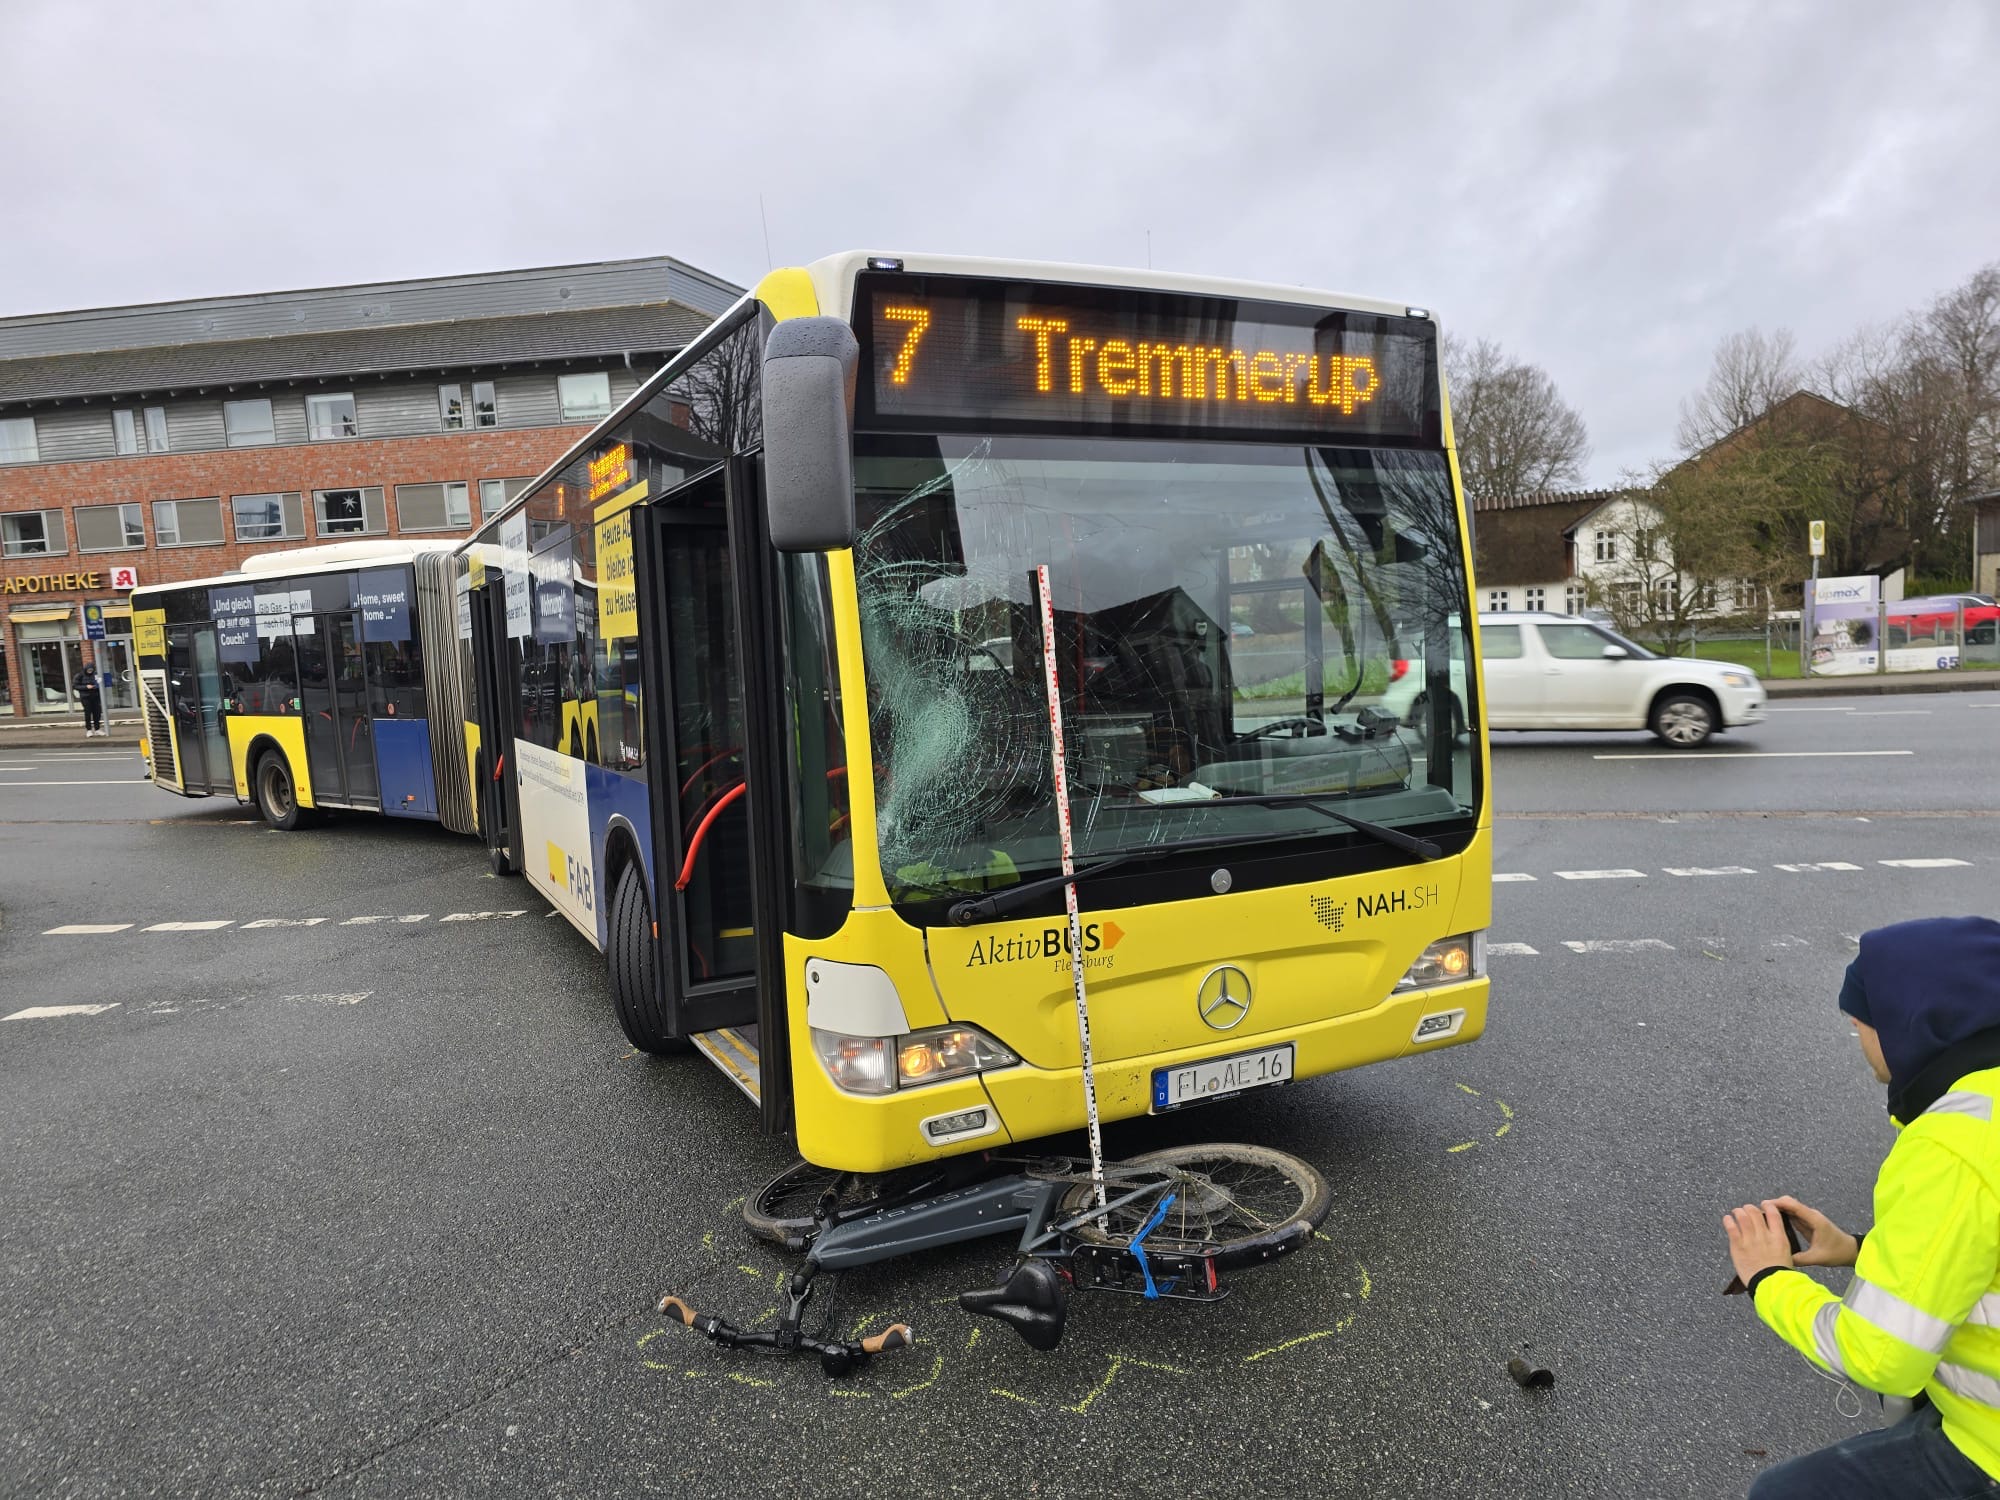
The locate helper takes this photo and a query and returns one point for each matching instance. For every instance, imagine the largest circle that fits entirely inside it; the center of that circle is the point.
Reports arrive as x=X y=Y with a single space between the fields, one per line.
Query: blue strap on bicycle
x=1139 y=1244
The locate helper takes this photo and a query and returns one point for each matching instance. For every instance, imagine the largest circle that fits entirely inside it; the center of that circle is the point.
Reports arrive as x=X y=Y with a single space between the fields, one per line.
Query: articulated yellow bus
x=760 y=702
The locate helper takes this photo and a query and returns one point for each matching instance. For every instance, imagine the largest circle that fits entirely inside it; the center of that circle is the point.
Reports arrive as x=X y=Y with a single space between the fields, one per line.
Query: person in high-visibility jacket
x=1921 y=1317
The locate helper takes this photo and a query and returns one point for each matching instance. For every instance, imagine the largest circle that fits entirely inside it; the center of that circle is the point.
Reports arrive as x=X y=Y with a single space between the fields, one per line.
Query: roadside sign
x=93 y=622
x=126 y=578
x=1817 y=534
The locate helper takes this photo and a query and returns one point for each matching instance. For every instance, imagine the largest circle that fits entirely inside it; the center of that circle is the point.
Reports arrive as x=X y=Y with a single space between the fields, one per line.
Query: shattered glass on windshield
x=1229 y=621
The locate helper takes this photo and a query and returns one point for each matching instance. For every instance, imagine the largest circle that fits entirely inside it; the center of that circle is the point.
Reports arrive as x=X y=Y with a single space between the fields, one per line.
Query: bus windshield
x=1231 y=620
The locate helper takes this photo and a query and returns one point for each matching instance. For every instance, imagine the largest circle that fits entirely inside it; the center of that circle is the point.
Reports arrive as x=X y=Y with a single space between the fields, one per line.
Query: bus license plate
x=1219 y=1077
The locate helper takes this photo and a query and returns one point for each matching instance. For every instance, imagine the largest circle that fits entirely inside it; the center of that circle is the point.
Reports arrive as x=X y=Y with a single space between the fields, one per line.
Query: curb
x=1881 y=684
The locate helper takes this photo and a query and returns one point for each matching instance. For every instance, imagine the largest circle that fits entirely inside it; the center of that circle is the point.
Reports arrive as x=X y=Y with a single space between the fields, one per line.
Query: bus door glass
x=333 y=696
x=711 y=812
x=194 y=687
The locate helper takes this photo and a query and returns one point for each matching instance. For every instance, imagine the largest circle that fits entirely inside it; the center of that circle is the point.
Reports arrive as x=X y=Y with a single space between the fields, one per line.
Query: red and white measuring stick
x=1069 y=874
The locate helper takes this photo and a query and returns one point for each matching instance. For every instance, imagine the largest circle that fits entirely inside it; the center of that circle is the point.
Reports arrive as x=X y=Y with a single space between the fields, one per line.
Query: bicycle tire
x=1244 y=1205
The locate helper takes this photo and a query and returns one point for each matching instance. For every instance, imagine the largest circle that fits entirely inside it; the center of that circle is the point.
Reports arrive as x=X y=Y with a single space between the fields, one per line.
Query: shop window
x=109 y=528
x=330 y=416
x=156 y=429
x=32 y=533
x=52 y=659
x=584 y=398
x=187 y=523
x=494 y=494
x=351 y=512
x=17 y=440
x=432 y=507
x=268 y=518
x=248 y=424
x=451 y=407
x=125 y=431
x=485 y=407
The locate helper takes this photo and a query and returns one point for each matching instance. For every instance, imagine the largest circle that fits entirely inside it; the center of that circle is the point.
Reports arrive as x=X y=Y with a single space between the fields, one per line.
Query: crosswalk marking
x=186 y=927
x=1713 y=870
x=86 y=929
x=281 y=922
x=1619 y=945
x=1511 y=950
x=1502 y=879
x=43 y=1012
x=1831 y=864
x=1924 y=864
x=1600 y=874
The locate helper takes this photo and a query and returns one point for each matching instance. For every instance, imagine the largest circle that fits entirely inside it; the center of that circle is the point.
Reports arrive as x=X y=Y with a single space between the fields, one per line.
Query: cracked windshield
x=1231 y=622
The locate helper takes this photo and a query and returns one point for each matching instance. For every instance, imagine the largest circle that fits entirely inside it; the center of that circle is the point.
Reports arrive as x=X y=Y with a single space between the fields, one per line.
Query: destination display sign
x=949 y=353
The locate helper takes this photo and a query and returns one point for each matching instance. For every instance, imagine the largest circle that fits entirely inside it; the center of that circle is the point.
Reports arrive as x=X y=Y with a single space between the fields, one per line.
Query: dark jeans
x=93 y=713
x=1912 y=1460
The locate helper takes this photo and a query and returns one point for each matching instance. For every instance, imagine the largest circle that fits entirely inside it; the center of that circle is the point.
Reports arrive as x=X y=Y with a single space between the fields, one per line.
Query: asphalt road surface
x=381 y=1207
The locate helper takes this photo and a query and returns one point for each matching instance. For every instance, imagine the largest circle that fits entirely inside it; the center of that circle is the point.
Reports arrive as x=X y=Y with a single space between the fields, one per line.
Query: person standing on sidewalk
x=92 y=699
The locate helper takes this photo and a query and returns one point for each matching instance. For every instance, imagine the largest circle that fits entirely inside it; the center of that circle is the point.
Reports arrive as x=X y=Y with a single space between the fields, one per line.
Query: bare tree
x=1515 y=434
x=1751 y=373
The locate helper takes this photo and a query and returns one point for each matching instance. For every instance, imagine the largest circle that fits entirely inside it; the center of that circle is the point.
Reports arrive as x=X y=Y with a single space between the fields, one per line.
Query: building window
x=494 y=494
x=32 y=533
x=432 y=507
x=17 y=440
x=485 y=409
x=351 y=512
x=156 y=429
x=584 y=398
x=330 y=416
x=1573 y=599
x=247 y=424
x=1668 y=594
x=109 y=528
x=125 y=430
x=1535 y=599
x=1496 y=598
x=187 y=523
x=451 y=407
x=1607 y=547
x=268 y=518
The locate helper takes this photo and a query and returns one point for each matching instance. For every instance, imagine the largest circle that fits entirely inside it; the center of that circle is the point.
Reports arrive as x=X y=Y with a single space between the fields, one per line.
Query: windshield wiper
x=1423 y=848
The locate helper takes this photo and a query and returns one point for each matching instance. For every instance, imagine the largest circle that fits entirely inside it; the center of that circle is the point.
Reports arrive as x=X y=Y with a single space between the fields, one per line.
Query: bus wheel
x=628 y=953
x=277 y=798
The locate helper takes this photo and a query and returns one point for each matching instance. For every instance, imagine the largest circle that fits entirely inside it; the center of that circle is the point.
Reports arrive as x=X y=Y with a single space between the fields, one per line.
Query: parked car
x=1549 y=671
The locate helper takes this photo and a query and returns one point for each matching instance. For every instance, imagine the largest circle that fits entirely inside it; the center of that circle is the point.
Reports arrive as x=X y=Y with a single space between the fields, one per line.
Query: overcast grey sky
x=1605 y=187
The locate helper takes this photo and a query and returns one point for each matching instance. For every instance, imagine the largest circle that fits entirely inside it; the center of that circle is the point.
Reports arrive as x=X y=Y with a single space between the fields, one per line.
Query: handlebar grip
x=673 y=1307
x=895 y=1336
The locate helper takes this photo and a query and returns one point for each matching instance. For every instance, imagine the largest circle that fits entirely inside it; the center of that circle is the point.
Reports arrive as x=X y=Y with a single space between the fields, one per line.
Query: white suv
x=1548 y=671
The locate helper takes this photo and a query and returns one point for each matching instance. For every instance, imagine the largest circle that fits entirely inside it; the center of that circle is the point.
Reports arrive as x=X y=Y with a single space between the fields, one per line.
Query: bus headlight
x=1447 y=961
x=882 y=1064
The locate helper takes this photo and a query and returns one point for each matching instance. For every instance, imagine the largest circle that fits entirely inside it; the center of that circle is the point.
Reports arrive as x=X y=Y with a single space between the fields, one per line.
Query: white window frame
x=154 y=420
x=456 y=518
x=490 y=416
x=320 y=497
x=566 y=412
x=1496 y=600
x=168 y=534
x=510 y=490
x=1607 y=547
x=1575 y=598
x=340 y=428
x=448 y=419
x=130 y=514
x=124 y=431
x=282 y=534
x=233 y=440
x=10 y=548
x=1534 y=598
x=13 y=450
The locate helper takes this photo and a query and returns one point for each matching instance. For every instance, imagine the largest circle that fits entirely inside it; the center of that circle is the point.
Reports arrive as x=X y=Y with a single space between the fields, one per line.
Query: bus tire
x=628 y=954
x=277 y=794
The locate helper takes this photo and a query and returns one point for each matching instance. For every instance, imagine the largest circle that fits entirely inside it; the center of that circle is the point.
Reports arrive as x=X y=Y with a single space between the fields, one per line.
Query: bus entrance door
x=333 y=697
x=194 y=687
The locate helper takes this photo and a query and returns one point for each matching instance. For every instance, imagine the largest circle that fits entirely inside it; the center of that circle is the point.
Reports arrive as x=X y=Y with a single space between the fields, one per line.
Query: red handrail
x=694 y=844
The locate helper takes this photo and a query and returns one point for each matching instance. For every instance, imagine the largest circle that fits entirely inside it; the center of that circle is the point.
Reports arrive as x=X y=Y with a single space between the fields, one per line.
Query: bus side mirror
x=809 y=368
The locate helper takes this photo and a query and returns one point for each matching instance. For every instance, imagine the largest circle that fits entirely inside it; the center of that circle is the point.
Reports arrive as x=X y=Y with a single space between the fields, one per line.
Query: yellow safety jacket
x=1923 y=1310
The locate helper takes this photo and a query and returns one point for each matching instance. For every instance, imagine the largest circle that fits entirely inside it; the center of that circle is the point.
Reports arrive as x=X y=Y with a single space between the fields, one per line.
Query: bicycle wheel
x=1243 y=1204
x=781 y=1212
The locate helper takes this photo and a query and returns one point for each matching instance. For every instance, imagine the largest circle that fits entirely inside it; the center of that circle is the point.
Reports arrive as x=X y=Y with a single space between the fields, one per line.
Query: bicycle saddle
x=1033 y=1301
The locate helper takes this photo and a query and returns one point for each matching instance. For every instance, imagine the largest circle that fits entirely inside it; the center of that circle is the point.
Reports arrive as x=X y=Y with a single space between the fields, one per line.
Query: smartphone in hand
x=1796 y=1235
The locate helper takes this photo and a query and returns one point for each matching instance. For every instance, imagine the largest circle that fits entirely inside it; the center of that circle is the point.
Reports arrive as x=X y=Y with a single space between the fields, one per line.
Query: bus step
x=734 y=1050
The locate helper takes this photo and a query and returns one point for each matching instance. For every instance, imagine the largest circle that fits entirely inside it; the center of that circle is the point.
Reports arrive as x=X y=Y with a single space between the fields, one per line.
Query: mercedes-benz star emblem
x=1224 y=996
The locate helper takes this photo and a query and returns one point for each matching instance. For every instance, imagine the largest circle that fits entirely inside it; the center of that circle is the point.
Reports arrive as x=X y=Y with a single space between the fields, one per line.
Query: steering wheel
x=1296 y=729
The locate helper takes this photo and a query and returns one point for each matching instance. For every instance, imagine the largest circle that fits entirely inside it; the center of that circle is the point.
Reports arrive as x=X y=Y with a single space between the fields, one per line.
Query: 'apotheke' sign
x=50 y=583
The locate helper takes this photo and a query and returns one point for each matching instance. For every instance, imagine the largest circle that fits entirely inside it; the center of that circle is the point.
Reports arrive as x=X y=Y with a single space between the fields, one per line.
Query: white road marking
x=42 y=1012
x=1925 y=864
x=1891 y=713
x=1822 y=867
x=86 y=929
x=1497 y=879
x=1511 y=950
x=1983 y=705
x=1620 y=945
x=281 y=922
x=1680 y=755
x=187 y=926
x=1600 y=874
x=1786 y=940
x=481 y=916
x=136 y=781
x=1716 y=870
x=347 y=999
x=1817 y=708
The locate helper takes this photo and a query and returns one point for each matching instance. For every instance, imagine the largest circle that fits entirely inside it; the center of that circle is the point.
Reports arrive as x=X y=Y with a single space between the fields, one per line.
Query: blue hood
x=1925 y=987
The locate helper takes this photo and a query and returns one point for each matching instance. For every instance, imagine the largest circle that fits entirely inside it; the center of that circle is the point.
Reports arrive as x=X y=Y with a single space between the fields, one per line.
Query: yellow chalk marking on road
x=742 y=1379
x=1367 y=1283
x=733 y=1203
x=861 y=1327
x=937 y=1369
x=643 y=1342
x=1118 y=1362
x=769 y=1312
x=975 y=1337
x=1304 y=1338
x=841 y=1390
x=750 y=1270
x=1012 y=1396
x=1501 y=1131
x=1470 y=1089
x=1504 y=1109
x=1465 y=1146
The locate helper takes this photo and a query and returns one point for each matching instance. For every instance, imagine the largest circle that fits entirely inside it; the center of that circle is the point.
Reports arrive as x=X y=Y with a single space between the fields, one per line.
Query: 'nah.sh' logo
x=1332 y=914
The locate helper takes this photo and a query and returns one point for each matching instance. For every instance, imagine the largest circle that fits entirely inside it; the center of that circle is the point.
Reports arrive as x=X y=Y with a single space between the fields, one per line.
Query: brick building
x=169 y=441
